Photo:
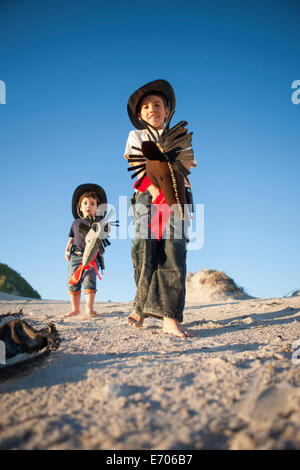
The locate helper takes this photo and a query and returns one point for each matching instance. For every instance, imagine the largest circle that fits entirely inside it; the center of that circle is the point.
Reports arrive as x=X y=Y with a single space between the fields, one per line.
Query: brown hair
x=165 y=101
x=91 y=194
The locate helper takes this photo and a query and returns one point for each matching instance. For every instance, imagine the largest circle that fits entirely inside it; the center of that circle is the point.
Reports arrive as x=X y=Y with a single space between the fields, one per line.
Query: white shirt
x=135 y=139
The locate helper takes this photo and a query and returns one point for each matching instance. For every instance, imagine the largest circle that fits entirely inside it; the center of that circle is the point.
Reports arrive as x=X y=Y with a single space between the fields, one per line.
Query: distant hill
x=13 y=283
x=210 y=285
x=296 y=293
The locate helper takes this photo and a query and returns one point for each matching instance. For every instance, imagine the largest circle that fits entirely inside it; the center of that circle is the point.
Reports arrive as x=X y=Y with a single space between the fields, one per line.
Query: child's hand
x=67 y=256
x=154 y=191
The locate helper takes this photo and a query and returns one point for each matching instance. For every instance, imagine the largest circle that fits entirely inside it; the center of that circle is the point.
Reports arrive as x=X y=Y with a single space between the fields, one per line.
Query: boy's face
x=153 y=111
x=88 y=207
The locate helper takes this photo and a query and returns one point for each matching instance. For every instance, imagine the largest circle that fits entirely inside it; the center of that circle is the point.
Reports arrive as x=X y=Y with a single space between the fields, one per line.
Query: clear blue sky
x=69 y=67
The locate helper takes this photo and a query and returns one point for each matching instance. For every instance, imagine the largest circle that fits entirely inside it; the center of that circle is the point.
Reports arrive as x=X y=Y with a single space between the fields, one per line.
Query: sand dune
x=295 y=293
x=210 y=285
x=111 y=386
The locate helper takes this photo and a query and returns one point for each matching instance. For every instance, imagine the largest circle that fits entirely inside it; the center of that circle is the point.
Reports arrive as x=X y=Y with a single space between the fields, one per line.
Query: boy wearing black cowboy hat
x=85 y=205
x=159 y=264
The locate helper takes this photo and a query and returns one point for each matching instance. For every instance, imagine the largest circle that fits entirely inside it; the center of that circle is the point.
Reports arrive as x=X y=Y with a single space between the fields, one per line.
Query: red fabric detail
x=160 y=219
x=144 y=184
x=162 y=214
x=93 y=263
x=78 y=273
x=160 y=199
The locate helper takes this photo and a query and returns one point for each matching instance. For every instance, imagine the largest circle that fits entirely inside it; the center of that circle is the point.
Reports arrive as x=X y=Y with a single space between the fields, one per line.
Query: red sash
x=78 y=273
x=162 y=214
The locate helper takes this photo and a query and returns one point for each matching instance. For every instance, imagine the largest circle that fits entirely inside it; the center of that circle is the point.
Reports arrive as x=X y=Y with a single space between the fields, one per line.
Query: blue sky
x=69 y=69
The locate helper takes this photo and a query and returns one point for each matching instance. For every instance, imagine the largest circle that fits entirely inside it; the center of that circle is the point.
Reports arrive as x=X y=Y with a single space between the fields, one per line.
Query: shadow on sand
x=281 y=317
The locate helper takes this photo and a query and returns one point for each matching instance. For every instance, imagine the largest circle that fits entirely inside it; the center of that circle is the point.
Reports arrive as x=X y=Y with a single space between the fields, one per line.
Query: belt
x=78 y=253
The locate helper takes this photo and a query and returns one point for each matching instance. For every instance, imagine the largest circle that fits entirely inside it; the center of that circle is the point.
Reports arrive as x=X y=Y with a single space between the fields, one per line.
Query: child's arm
x=152 y=189
x=131 y=164
x=70 y=242
x=132 y=141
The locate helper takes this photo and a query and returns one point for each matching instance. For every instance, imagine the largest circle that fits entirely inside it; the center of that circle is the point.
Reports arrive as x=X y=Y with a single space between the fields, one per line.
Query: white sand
x=111 y=386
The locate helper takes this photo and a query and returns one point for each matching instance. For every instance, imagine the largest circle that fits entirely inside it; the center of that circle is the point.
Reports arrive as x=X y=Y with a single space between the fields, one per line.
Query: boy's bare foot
x=135 y=320
x=174 y=328
x=72 y=314
x=91 y=314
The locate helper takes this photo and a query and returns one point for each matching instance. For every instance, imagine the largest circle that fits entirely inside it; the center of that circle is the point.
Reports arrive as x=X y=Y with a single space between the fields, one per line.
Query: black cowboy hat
x=161 y=87
x=82 y=188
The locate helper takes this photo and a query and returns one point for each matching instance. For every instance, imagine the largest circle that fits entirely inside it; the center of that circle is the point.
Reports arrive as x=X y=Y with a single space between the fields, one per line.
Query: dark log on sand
x=20 y=338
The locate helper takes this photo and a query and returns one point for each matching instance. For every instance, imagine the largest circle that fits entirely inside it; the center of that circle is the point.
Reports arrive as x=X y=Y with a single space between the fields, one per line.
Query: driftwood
x=19 y=338
x=10 y=316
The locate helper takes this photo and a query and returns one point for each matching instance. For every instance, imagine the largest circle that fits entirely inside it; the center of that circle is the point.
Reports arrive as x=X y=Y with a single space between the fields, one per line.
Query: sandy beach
x=111 y=386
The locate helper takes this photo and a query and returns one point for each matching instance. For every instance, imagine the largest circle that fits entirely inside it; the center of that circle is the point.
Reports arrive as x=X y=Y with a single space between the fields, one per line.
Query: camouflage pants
x=159 y=266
